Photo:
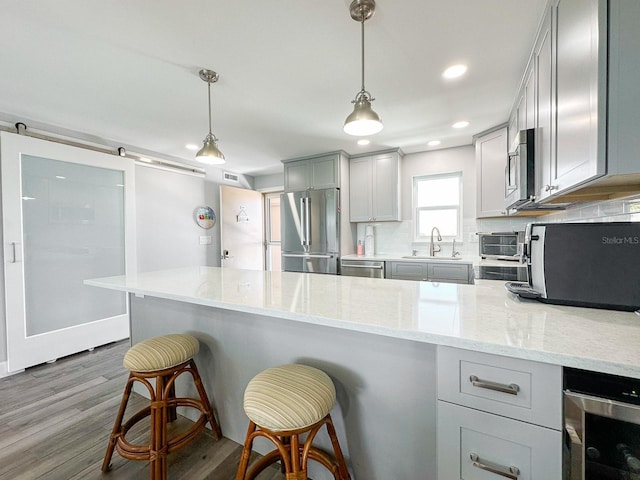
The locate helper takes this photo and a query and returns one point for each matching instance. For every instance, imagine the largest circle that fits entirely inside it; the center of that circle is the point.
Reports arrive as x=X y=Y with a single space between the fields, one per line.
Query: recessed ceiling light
x=191 y=146
x=60 y=177
x=455 y=71
x=460 y=124
x=364 y=141
x=434 y=143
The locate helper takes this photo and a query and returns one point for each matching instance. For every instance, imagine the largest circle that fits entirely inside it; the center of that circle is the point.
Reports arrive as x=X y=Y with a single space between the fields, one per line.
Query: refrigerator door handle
x=306 y=255
x=303 y=221
x=307 y=220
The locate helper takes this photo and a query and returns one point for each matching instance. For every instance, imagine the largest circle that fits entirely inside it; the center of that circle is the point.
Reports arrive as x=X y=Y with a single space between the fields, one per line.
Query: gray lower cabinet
x=446 y=272
x=498 y=417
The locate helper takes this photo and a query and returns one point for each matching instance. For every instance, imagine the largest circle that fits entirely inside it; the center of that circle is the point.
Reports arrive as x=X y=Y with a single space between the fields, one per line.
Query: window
x=437 y=202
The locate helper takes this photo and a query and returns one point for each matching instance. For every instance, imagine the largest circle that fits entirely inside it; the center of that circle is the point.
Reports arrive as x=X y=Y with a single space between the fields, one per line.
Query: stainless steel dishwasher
x=362 y=268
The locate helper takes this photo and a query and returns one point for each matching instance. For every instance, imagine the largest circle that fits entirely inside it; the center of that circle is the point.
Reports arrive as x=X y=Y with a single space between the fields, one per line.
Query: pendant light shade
x=209 y=153
x=363 y=121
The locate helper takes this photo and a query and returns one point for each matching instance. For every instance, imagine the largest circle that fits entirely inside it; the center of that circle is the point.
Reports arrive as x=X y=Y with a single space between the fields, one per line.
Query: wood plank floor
x=55 y=421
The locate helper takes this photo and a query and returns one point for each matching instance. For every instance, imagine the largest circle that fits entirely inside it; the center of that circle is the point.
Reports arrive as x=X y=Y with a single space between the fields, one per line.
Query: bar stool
x=164 y=358
x=283 y=403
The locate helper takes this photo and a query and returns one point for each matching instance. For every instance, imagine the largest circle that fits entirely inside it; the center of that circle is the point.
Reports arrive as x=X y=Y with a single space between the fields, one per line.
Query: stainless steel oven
x=362 y=268
x=602 y=426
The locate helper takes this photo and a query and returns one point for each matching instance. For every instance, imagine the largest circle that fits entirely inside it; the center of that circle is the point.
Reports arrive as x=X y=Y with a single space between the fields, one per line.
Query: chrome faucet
x=454 y=253
x=434 y=248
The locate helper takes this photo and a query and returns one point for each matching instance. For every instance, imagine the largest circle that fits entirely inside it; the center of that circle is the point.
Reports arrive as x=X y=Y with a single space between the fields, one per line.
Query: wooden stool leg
x=298 y=467
x=246 y=452
x=159 y=417
x=342 y=465
x=172 y=411
x=117 y=426
x=215 y=426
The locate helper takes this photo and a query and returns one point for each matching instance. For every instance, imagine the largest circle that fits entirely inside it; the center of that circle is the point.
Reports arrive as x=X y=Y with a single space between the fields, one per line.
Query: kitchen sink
x=429 y=257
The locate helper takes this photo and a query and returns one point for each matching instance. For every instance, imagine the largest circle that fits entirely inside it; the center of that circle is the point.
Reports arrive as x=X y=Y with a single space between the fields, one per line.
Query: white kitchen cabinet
x=312 y=173
x=491 y=160
x=498 y=414
x=432 y=271
x=374 y=181
x=474 y=445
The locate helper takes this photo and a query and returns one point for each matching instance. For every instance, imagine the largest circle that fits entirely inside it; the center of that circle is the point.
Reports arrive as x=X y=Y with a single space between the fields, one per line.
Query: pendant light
x=209 y=153
x=363 y=121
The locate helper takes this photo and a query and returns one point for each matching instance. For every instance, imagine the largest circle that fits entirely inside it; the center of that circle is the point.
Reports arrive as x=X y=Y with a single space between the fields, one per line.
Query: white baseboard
x=5 y=373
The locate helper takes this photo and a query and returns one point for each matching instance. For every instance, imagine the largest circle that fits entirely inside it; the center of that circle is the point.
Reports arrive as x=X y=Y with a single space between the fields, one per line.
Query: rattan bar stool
x=284 y=403
x=164 y=359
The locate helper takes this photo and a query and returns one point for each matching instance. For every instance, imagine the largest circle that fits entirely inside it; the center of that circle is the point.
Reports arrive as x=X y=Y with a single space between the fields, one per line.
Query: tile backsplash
x=395 y=238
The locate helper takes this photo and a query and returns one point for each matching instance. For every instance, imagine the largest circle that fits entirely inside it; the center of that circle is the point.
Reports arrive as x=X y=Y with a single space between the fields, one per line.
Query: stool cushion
x=159 y=353
x=289 y=397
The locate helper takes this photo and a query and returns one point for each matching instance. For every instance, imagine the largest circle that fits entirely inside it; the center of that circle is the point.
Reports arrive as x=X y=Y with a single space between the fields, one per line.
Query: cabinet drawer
x=409 y=270
x=520 y=389
x=494 y=442
x=448 y=272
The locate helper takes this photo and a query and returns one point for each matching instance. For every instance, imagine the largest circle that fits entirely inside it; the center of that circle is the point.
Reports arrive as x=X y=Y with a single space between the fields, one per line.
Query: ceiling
x=125 y=72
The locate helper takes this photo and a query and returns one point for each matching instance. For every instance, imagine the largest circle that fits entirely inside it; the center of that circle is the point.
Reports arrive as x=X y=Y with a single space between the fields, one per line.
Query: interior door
x=241 y=228
x=68 y=215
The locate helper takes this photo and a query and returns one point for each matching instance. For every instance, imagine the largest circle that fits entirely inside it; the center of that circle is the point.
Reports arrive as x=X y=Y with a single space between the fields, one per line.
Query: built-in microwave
x=519 y=172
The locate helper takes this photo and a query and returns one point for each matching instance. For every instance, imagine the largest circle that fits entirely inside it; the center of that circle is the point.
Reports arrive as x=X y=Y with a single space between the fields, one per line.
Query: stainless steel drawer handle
x=305 y=255
x=511 y=389
x=508 y=472
x=376 y=267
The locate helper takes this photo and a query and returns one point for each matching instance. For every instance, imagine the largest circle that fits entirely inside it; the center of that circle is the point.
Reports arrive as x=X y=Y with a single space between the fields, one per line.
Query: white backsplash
x=394 y=238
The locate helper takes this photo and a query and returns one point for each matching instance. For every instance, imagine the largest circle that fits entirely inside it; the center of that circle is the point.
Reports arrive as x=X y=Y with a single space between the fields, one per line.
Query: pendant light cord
x=209 y=96
x=362 y=36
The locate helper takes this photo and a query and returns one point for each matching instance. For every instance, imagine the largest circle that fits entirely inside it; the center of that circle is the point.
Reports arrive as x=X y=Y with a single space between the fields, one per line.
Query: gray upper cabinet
x=312 y=173
x=491 y=161
x=580 y=90
x=374 y=181
x=543 y=118
x=586 y=102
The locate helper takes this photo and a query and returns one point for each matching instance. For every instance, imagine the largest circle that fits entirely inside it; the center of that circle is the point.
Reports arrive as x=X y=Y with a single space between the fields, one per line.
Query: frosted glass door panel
x=73 y=229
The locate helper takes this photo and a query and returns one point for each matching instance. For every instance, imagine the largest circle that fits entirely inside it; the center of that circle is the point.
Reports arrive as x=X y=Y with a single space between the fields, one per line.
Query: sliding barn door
x=68 y=215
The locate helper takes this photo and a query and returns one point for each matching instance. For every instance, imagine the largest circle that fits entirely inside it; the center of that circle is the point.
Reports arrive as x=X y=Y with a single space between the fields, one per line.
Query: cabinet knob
x=548 y=188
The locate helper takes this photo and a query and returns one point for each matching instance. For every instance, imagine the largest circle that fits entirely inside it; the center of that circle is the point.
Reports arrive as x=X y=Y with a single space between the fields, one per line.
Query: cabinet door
x=580 y=96
x=325 y=172
x=385 y=194
x=360 y=188
x=530 y=97
x=472 y=443
x=408 y=271
x=449 y=272
x=491 y=161
x=296 y=176
x=544 y=153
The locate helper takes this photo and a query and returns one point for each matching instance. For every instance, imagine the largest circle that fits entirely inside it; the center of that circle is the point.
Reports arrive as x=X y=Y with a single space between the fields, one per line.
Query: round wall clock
x=205 y=217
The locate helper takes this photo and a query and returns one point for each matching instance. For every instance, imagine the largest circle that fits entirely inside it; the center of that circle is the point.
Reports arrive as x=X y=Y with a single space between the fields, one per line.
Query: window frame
x=415 y=209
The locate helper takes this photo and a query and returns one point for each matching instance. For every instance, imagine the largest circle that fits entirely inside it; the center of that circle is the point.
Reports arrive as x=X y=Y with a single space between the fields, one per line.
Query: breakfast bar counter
x=482 y=317
x=376 y=338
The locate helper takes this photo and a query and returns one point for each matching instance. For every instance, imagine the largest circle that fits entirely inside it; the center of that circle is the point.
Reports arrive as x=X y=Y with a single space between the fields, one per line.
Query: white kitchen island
x=376 y=338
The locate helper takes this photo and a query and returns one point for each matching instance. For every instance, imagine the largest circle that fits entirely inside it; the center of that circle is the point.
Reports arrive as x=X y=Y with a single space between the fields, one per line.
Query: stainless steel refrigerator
x=310 y=231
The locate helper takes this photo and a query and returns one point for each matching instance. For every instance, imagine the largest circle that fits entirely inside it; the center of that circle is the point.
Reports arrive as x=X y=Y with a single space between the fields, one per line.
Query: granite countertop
x=482 y=317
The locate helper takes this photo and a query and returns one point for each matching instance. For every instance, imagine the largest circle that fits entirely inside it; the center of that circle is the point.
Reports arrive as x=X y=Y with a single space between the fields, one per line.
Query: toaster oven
x=501 y=245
